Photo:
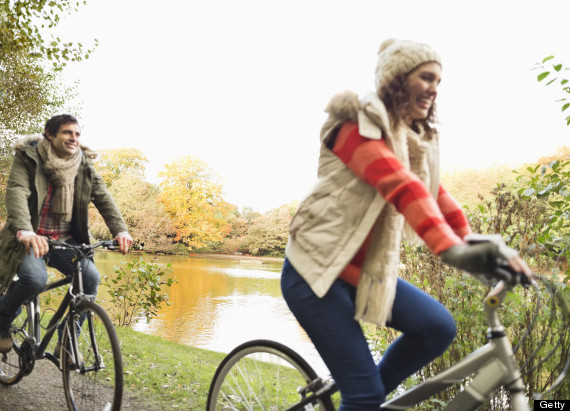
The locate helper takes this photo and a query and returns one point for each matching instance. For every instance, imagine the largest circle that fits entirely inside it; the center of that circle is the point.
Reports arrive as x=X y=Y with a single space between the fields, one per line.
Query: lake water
x=219 y=303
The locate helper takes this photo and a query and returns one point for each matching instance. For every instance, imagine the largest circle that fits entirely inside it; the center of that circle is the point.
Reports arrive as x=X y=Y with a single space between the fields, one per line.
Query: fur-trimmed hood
x=32 y=139
x=369 y=112
x=344 y=106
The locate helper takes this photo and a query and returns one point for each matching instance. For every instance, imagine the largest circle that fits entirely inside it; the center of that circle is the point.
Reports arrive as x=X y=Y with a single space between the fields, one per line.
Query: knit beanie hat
x=400 y=57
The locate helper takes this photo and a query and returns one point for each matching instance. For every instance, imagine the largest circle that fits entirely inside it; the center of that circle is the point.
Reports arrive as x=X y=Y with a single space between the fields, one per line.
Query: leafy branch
x=556 y=75
x=23 y=24
x=137 y=291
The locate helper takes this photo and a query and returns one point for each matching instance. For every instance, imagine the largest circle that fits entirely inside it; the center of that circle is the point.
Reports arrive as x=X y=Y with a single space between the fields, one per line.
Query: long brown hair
x=397 y=100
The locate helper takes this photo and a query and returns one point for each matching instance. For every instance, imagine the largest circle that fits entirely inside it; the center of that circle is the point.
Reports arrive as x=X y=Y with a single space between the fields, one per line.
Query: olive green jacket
x=25 y=193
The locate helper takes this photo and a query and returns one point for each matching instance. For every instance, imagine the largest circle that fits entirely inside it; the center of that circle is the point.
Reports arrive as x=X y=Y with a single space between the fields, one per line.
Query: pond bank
x=237 y=257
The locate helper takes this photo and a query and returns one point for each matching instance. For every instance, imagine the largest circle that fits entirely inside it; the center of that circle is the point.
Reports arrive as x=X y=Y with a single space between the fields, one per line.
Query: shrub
x=137 y=291
x=543 y=352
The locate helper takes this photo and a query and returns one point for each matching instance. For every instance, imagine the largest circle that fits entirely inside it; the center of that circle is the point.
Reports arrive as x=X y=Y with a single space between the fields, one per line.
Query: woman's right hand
x=480 y=258
x=483 y=254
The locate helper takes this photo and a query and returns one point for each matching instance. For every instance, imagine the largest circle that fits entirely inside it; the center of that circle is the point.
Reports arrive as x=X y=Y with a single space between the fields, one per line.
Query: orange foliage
x=192 y=195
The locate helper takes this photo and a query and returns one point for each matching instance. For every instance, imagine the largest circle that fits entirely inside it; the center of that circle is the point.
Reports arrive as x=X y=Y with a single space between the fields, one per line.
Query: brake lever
x=505 y=273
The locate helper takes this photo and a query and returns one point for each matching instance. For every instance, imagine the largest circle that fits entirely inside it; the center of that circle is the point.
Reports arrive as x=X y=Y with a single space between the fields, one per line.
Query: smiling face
x=421 y=86
x=66 y=142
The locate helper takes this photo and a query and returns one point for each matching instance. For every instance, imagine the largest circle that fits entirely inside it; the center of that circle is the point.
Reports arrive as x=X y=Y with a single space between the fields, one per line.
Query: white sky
x=243 y=84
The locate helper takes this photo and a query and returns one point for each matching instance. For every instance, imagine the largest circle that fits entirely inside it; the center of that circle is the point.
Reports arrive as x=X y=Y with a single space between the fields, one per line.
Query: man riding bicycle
x=51 y=184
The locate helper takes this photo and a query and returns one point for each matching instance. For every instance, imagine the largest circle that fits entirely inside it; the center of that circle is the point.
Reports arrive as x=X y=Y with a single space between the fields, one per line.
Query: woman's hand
x=519 y=265
x=483 y=254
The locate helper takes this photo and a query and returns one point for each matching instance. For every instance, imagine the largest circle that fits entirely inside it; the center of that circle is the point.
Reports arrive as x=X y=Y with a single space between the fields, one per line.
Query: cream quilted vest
x=333 y=221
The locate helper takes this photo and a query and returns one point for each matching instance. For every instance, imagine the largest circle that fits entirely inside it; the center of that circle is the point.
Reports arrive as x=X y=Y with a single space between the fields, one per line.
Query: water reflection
x=219 y=303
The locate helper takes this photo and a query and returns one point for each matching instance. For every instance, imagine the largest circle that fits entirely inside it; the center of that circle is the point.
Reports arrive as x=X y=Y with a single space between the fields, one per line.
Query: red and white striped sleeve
x=453 y=213
x=375 y=163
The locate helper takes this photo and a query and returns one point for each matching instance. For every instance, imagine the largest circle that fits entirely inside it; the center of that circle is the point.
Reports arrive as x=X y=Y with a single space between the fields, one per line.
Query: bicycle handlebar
x=502 y=272
x=511 y=277
x=83 y=248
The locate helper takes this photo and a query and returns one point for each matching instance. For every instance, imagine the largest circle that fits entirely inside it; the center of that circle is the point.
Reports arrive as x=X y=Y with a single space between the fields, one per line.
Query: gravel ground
x=42 y=390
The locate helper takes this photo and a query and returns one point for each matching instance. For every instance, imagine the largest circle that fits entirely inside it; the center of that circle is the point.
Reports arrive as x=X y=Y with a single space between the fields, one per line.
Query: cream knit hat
x=400 y=57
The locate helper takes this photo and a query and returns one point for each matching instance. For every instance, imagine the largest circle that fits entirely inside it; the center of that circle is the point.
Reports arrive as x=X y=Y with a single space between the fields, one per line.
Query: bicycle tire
x=17 y=363
x=96 y=383
x=261 y=375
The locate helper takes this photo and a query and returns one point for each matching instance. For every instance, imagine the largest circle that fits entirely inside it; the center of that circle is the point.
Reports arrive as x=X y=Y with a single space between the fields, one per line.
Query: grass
x=167 y=375
x=163 y=374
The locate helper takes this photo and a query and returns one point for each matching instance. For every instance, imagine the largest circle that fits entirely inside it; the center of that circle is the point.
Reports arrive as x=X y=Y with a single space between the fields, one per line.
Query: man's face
x=66 y=142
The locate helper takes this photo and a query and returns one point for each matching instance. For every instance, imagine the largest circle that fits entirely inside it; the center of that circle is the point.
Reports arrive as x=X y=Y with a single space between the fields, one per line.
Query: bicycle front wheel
x=91 y=360
x=262 y=375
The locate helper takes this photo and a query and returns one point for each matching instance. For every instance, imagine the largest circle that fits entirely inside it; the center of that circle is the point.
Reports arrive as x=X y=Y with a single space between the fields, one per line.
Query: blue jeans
x=32 y=277
x=426 y=325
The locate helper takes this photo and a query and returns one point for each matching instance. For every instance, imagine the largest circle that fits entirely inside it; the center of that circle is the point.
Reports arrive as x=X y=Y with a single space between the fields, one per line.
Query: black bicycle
x=89 y=355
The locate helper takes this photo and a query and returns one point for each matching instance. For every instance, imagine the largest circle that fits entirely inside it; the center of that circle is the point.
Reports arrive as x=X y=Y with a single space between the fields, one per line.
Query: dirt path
x=42 y=390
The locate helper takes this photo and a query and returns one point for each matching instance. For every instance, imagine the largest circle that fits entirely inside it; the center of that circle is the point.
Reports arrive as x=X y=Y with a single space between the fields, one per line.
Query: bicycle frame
x=34 y=328
x=494 y=364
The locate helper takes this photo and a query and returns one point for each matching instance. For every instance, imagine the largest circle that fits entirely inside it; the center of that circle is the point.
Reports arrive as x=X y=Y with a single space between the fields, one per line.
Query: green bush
x=137 y=291
x=543 y=352
x=549 y=184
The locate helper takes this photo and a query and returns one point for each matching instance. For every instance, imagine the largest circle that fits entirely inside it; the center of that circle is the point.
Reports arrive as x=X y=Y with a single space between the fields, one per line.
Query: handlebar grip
x=506 y=274
x=57 y=245
x=111 y=245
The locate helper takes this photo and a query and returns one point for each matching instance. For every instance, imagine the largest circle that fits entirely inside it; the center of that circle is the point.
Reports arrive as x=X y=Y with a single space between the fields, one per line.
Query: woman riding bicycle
x=378 y=184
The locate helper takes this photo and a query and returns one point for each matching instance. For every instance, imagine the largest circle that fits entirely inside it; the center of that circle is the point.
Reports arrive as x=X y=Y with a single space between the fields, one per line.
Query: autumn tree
x=239 y=223
x=268 y=234
x=115 y=162
x=30 y=59
x=192 y=195
x=147 y=220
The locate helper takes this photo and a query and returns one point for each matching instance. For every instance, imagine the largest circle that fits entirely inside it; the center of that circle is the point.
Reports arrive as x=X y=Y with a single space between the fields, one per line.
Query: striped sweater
x=440 y=223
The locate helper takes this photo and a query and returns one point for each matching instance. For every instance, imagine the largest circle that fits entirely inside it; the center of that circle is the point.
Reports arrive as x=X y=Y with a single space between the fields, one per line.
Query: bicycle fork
x=89 y=339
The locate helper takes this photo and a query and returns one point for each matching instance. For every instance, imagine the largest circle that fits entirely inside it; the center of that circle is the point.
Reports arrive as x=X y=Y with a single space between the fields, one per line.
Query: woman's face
x=421 y=86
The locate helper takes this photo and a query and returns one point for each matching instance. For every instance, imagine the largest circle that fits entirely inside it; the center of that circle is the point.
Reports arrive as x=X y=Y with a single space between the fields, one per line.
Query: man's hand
x=36 y=242
x=125 y=242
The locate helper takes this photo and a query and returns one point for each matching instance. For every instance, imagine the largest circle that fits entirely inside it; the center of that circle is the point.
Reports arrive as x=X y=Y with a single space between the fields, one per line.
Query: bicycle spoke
x=92 y=374
x=260 y=375
x=16 y=363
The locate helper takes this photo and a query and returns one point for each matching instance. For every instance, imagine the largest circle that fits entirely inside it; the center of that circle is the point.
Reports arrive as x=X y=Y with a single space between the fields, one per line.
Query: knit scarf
x=61 y=173
x=419 y=153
